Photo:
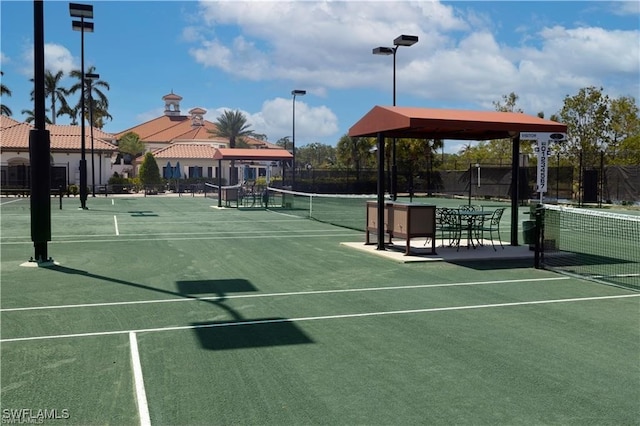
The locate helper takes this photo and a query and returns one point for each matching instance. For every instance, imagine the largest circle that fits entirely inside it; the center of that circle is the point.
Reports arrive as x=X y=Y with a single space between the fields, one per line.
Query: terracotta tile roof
x=14 y=135
x=167 y=129
x=185 y=151
x=251 y=154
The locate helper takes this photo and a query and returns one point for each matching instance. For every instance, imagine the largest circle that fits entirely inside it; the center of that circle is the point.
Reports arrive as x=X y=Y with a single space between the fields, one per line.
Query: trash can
x=529 y=232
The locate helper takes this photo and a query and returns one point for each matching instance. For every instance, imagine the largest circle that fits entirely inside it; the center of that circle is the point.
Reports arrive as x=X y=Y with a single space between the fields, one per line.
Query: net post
x=539 y=235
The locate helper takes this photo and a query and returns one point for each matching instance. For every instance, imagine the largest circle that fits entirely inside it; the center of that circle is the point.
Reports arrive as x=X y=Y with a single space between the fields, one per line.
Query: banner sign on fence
x=542 y=150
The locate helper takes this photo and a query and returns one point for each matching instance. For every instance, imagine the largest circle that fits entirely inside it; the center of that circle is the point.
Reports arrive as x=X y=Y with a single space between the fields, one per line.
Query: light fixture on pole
x=402 y=40
x=82 y=11
x=293 y=143
x=90 y=77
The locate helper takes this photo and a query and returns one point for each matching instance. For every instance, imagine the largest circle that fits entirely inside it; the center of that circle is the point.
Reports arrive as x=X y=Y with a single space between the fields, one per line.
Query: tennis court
x=166 y=310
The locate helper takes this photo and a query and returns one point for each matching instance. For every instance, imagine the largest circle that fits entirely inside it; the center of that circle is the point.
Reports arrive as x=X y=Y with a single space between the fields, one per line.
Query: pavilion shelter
x=249 y=154
x=426 y=123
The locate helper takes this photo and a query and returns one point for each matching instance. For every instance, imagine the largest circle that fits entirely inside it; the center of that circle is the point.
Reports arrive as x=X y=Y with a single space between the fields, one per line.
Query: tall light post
x=402 y=40
x=90 y=78
x=82 y=11
x=293 y=137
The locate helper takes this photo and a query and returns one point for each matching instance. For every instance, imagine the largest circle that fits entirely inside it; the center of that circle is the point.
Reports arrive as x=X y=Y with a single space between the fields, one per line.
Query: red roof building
x=190 y=141
x=65 y=154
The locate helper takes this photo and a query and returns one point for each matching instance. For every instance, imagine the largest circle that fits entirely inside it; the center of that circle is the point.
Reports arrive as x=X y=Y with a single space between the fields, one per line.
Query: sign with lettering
x=542 y=150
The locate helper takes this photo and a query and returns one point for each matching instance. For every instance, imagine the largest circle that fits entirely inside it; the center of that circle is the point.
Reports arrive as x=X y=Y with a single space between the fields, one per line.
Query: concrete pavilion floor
x=422 y=253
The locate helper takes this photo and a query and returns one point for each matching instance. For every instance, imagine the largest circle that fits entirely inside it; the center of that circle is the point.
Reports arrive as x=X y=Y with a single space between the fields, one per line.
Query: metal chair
x=492 y=225
x=448 y=224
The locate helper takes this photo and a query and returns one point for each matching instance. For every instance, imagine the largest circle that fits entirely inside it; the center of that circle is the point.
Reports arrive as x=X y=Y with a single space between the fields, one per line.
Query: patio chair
x=469 y=207
x=492 y=226
x=448 y=224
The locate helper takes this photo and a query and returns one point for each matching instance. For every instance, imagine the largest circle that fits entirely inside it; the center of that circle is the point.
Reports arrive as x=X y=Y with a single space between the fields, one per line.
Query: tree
x=355 y=153
x=53 y=90
x=499 y=150
x=131 y=144
x=588 y=124
x=233 y=126
x=316 y=154
x=4 y=91
x=149 y=170
x=31 y=116
x=416 y=155
x=625 y=124
x=629 y=151
x=95 y=97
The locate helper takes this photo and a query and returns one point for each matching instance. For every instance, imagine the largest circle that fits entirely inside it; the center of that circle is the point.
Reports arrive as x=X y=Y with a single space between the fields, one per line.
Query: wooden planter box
x=372 y=219
x=404 y=220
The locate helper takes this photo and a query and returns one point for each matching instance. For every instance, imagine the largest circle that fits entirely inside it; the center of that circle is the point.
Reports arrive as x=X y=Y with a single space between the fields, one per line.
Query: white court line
x=9 y=202
x=141 y=395
x=226 y=237
x=318 y=318
x=115 y=221
x=185 y=234
x=296 y=293
x=113 y=202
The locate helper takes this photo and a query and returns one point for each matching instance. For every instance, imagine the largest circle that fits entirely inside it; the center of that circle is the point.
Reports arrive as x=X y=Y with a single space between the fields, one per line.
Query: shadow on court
x=235 y=334
x=219 y=287
x=484 y=265
x=257 y=333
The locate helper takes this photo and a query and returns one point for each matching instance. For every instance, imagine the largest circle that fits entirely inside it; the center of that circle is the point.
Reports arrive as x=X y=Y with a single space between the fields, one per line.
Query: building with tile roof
x=190 y=141
x=65 y=154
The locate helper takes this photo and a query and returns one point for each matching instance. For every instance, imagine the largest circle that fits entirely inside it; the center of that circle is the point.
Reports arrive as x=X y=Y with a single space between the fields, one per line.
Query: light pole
x=402 y=40
x=82 y=11
x=90 y=78
x=293 y=137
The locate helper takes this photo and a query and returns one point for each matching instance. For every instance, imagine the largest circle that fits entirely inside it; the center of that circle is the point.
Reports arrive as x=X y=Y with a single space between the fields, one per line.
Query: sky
x=250 y=55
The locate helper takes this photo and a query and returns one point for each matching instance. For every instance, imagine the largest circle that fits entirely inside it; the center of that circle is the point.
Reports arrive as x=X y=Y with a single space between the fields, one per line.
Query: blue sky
x=250 y=55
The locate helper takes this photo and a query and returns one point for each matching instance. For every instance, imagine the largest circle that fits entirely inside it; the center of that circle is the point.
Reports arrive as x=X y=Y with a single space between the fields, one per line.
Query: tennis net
x=597 y=245
x=346 y=210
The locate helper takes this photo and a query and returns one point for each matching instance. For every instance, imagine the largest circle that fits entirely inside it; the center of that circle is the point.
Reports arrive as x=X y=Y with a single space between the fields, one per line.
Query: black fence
x=493 y=182
x=19 y=176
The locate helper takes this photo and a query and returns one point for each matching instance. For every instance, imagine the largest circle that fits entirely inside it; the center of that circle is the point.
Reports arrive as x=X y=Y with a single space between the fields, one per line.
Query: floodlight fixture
x=77 y=10
x=405 y=40
x=383 y=51
x=85 y=27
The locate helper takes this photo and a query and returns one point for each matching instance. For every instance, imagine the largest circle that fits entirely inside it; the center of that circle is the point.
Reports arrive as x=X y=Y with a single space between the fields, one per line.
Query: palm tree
x=93 y=93
x=31 y=116
x=233 y=126
x=4 y=91
x=53 y=89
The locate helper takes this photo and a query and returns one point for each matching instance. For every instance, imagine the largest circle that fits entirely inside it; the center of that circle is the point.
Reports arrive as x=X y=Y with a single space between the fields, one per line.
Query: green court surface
x=168 y=311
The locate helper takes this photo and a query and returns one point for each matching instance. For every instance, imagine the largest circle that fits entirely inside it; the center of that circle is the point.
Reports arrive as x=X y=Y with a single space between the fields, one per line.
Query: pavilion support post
x=380 y=191
x=219 y=176
x=515 y=184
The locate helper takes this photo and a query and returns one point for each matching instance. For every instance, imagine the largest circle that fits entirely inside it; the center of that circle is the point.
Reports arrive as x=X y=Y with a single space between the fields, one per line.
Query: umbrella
x=176 y=171
x=168 y=171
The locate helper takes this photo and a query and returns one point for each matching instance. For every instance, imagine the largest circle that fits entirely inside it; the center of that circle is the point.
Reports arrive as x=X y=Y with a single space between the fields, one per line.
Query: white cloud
x=56 y=58
x=459 y=59
x=275 y=120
